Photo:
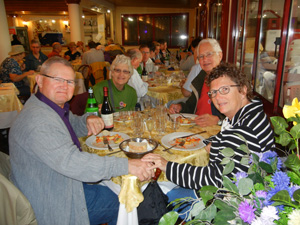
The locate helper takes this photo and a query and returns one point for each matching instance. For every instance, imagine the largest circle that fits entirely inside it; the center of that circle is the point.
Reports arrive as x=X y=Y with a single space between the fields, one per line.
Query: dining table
x=128 y=187
x=10 y=104
x=79 y=83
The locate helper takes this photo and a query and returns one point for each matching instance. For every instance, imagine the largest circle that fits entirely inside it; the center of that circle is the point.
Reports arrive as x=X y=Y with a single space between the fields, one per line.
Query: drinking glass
x=175 y=124
x=150 y=125
x=138 y=124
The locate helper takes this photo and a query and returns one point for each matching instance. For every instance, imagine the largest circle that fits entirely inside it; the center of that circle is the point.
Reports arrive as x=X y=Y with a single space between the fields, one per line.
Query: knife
x=201 y=132
x=105 y=141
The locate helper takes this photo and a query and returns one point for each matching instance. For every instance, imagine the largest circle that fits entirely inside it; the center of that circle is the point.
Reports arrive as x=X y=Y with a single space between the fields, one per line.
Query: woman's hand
x=156 y=160
x=175 y=108
x=206 y=120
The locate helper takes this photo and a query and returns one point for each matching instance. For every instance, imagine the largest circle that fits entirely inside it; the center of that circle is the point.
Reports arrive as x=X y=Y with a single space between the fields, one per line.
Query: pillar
x=75 y=19
x=5 y=46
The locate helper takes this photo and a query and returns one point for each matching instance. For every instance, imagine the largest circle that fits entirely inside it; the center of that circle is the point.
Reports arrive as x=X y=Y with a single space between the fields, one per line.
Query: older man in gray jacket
x=48 y=165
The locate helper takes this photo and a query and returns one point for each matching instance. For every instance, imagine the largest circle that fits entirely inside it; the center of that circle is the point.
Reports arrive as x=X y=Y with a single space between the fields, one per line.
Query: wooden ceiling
x=60 y=6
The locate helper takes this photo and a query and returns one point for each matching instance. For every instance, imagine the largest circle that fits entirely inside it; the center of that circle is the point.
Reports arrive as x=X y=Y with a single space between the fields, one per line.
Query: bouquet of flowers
x=269 y=193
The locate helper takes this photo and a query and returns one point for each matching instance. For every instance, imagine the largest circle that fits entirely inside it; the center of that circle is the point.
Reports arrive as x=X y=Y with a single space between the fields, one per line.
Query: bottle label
x=92 y=113
x=144 y=78
x=108 y=120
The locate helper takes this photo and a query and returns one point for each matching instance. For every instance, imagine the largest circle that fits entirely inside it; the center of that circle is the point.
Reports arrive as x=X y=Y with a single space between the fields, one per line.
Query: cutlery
x=170 y=117
x=113 y=152
x=182 y=115
x=180 y=144
x=165 y=149
x=201 y=132
x=105 y=141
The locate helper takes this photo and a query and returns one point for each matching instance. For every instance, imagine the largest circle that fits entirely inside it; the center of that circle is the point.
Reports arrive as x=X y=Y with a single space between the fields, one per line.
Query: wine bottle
x=107 y=111
x=144 y=74
x=91 y=105
x=167 y=59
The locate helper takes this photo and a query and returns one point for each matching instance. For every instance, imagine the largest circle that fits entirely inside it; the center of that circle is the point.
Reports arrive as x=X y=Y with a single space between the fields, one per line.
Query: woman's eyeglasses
x=118 y=71
x=224 y=90
x=207 y=55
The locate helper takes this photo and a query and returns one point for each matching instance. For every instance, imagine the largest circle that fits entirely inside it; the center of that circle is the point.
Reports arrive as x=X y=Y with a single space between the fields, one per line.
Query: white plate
x=92 y=139
x=187 y=115
x=170 y=137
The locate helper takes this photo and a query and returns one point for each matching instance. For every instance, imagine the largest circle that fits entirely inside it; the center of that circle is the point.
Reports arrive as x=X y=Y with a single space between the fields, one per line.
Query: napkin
x=130 y=195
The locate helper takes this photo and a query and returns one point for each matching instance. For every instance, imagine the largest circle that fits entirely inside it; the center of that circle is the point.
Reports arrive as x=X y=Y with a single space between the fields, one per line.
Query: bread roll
x=137 y=146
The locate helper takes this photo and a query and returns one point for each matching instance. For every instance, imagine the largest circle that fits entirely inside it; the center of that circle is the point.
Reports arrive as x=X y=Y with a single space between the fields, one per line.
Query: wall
x=117 y=32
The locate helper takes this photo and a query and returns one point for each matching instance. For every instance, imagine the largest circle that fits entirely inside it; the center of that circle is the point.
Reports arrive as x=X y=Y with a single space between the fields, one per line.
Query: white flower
x=267 y=216
x=294 y=217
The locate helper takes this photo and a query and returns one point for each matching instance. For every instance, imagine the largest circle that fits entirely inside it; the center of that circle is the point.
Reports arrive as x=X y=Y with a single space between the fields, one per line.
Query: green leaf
x=229 y=185
x=255 y=158
x=256 y=178
x=228 y=168
x=207 y=214
x=265 y=166
x=259 y=187
x=169 y=218
x=207 y=193
x=279 y=124
x=224 y=215
x=293 y=163
x=197 y=208
x=245 y=186
x=295 y=131
x=284 y=139
x=245 y=160
x=296 y=195
x=244 y=148
x=294 y=177
x=282 y=196
x=228 y=152
x=225 y=161
x=220 y=204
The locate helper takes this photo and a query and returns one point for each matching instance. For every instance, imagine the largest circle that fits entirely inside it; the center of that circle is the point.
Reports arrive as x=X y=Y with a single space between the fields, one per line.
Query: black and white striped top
x=252 y=123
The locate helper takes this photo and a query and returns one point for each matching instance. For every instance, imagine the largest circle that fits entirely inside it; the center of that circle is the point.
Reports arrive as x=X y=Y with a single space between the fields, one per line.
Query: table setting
x=152 y=130
x=10 y=104
x=165 y=86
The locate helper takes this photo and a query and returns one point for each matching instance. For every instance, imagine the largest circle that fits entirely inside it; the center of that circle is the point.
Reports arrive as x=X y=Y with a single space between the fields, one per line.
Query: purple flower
x=246 y=212
x=261 y=196
x=269 y=157
x=281 y=180
x=240 y=175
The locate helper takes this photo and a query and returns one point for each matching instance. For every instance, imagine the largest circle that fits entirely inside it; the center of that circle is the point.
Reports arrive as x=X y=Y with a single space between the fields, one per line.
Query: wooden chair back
x=100 y=71
x=86 y=71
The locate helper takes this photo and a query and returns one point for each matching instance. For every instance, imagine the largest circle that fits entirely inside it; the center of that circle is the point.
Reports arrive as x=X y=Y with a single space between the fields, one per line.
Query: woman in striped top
x=231 y=93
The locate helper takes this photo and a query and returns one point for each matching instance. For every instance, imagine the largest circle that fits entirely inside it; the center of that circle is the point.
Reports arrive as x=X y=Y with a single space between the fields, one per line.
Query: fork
x=165 y=149
x=182 y=115
x=180 y=144
x=105 y=141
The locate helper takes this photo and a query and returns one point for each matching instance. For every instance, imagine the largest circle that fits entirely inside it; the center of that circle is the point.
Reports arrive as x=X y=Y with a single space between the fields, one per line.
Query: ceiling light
x=108 y=11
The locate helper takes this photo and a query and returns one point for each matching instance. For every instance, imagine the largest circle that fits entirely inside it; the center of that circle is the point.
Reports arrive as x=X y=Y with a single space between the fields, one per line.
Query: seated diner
x=122 y=97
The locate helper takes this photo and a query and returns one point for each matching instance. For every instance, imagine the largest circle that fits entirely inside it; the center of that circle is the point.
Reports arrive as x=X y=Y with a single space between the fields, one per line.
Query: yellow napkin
x=130 y=195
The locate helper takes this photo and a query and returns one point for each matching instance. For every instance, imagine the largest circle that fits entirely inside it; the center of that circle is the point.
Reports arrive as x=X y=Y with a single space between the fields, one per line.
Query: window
x=142 y=29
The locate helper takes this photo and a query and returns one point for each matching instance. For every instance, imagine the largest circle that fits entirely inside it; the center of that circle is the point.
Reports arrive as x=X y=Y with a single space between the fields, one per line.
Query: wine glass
x=150 y=125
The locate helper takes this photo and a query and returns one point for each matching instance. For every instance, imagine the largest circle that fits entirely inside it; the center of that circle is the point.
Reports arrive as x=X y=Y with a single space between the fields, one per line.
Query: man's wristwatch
x=220 y=122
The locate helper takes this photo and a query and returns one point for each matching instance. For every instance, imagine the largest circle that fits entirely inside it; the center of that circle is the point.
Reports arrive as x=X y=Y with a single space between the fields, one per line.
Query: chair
x=15 y=207
x=100 y=71
x=86 y=71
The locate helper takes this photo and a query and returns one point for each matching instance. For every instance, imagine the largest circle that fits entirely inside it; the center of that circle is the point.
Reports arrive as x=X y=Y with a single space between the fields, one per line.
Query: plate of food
x=114 y=139
x=185 y=118
x=192 y=143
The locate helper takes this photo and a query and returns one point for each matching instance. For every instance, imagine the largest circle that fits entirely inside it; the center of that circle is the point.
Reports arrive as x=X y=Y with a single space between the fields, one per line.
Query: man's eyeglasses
x=126 y=72
x=61 y=80
x=207 y=55
x=224 y=90
x=145 y=52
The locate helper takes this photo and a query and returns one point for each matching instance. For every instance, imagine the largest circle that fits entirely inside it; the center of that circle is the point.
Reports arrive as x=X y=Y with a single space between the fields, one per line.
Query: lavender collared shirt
x=64 y=115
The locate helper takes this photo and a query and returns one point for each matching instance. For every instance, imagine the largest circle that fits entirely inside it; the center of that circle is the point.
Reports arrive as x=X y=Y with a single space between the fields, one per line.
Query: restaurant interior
x=260 y=37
